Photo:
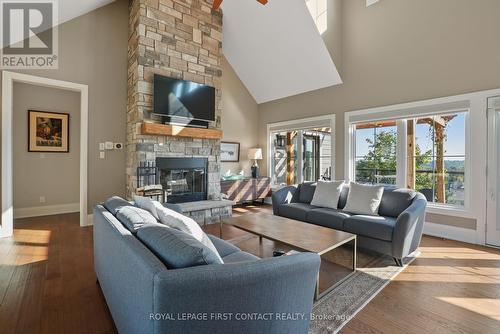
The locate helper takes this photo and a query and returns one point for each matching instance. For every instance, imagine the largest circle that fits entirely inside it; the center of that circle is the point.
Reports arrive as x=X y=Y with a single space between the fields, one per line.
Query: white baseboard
x=451 y=232
x=47 y=210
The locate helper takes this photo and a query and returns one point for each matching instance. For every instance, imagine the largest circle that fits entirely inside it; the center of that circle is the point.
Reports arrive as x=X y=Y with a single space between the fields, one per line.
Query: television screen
x=180 y=98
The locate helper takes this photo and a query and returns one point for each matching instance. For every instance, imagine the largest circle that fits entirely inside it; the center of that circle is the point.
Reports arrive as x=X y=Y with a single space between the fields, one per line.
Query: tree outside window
x=376 y=153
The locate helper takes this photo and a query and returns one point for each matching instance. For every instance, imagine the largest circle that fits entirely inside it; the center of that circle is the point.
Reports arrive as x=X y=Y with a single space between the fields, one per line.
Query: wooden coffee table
x=298 y=235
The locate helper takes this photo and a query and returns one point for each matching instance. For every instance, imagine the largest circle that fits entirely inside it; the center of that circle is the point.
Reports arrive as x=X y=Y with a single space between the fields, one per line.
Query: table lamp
x=255 y=154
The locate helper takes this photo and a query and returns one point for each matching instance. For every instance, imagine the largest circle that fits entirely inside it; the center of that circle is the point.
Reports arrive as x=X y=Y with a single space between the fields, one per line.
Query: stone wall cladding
x=210 y=216
x=180 y=39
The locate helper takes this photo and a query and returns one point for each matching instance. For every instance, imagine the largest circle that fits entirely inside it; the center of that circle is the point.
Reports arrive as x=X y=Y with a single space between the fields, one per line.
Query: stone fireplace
x=180 y=39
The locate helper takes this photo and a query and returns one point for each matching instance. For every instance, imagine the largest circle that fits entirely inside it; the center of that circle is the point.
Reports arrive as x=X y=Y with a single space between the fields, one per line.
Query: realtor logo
x=29 y=34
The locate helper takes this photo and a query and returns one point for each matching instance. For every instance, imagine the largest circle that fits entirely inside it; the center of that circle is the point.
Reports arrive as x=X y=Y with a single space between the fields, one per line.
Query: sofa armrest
x=284 y=195
x=126 y=269
x=217 y=294
x=409 y=228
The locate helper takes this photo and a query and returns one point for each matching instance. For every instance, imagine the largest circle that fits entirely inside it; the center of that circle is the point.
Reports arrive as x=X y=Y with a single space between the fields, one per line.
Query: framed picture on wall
x=229 y=152
x=48 y=132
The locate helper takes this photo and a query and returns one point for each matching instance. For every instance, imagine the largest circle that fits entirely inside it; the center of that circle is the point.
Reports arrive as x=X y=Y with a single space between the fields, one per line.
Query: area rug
x=339 y=306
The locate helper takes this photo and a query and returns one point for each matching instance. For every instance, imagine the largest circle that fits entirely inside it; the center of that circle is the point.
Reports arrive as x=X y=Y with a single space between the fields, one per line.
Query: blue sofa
x=144 y=296
x=397 y=230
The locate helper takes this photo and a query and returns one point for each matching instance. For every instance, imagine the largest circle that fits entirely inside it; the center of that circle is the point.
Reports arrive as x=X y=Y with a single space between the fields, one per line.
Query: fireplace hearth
x=183 y=179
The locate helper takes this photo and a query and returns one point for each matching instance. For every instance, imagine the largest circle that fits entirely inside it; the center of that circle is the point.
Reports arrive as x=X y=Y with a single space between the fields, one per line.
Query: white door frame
x=8 y=79
x=492 y=230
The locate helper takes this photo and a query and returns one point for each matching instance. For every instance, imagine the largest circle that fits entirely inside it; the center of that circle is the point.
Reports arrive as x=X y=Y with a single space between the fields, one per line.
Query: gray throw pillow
x=134 y=218
x=176 y=249
x=364 y=199
x=147 y=204
x=113 y=204
x=185 y=224
x=327 y=194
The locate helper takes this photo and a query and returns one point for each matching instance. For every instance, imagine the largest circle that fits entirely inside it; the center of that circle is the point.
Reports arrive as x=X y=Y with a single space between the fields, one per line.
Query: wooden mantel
x=154 y=129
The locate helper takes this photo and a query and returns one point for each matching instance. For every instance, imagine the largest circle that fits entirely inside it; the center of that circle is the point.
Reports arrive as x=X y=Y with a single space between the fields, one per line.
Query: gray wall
x=52 y=175
x=93 y=51
x=399 y=51
x=239 y=120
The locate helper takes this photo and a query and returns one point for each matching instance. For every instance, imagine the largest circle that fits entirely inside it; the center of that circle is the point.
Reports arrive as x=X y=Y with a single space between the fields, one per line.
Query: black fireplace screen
x=183 y=179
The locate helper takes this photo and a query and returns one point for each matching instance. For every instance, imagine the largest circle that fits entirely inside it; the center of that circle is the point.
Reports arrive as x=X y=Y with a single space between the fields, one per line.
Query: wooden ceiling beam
x=440 y=120
x=216 y=4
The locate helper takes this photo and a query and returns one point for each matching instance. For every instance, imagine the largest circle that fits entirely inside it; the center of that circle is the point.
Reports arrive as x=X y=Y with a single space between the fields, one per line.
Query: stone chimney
x=180 y=39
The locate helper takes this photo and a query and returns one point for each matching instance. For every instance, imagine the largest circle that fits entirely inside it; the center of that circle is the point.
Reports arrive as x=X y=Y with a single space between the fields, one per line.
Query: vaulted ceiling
x=276 y=49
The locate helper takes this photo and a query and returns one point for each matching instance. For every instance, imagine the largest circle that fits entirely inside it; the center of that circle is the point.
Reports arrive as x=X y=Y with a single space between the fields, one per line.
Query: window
x=436 y=165
x=433 y=147
x=318 y=10
x=301 y=155
x=376 y=153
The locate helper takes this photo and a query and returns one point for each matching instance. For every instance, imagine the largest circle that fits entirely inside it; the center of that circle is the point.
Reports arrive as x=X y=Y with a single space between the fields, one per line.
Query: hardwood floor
x=452 y=287
x=47 y=281
x=47 y=284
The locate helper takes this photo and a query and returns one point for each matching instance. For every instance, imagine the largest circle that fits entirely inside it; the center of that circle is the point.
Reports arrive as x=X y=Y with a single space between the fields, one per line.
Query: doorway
x=8 y=80
x=46 y=151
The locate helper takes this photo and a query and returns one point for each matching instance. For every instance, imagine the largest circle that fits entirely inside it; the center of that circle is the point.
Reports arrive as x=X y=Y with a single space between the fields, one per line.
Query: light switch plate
x=109 y=145
x=102 y=147
x=102 y=155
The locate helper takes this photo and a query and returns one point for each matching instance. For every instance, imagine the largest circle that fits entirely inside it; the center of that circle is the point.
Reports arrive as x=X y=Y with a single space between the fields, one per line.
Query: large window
x=433 y=151
x=301 y=155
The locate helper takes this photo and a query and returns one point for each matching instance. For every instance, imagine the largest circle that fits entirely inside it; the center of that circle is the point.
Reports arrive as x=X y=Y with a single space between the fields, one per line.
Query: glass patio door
x=310 y=158
x=493 y=195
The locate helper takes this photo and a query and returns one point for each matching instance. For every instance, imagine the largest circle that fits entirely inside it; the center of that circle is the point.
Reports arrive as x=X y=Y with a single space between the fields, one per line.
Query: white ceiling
x=69 y=9
x=276 y=49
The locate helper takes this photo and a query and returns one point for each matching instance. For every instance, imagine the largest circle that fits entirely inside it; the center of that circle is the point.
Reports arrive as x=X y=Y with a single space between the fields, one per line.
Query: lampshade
x=255 y=153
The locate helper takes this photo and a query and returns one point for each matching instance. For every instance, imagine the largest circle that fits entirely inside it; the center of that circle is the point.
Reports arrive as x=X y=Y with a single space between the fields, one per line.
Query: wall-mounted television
x=183 y=99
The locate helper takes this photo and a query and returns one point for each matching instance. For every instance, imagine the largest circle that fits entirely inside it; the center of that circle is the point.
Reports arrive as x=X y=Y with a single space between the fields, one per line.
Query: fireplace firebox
x=183 y=179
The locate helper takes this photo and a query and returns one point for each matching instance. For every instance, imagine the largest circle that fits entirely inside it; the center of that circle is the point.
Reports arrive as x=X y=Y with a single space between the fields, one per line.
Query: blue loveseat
x=144 y=296
x=396 y=231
